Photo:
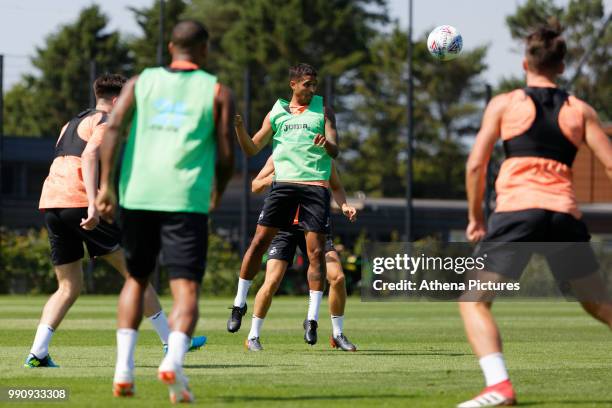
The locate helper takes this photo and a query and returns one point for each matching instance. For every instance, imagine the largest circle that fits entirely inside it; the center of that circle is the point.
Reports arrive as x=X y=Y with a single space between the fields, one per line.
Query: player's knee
x=138 y=280
x=337 y=280
x=315 y=255
x=260 y=243
x=271 y=286
x=269 y=289
x=187 y=309
x=70 y=290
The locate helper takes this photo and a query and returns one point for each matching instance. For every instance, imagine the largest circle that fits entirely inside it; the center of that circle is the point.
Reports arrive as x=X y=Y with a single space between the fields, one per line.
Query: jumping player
x=280 y=256
x=542 y=127
x=180 y=140
x=67 y=200
x=304 y=137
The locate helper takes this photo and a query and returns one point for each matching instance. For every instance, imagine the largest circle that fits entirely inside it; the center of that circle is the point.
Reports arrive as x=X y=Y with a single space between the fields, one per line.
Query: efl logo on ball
x=445 y=43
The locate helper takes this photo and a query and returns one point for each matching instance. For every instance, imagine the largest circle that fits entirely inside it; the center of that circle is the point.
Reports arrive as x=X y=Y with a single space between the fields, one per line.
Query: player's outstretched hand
x=106 y=202
x=475 y=231
x=92 y=220
x=349 y=212
x=320 y=140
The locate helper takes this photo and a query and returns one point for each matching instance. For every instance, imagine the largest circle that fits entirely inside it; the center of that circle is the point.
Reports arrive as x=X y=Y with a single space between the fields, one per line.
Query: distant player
x=542 y=127
x=67 y=201
x=180 y=141
x=280 y=256
x=303 y=134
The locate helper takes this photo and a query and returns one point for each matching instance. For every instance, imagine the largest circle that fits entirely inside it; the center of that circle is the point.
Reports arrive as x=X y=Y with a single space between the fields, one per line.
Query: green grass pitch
x=410 y=355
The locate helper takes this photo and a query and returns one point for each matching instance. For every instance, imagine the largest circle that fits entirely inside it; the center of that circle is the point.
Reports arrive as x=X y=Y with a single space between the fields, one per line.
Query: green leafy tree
x=532 y=14
x=270 y=35
x=508 y=84
x=42 y=104
x=144 y=47
x=447 y=105
x=21 y=118
x=583 y=21
x=375 y=139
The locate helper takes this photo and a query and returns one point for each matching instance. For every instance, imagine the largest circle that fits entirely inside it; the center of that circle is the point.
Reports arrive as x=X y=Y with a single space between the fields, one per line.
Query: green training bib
x=169 y=159
x=295 y=156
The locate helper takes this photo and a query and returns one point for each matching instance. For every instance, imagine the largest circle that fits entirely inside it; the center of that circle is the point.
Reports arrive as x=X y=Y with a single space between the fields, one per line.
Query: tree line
x=355 y=42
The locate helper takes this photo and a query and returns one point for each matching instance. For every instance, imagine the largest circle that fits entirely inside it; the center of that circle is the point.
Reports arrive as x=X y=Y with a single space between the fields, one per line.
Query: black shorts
x=282 y=203
x=513 y=237
x=286 y=241
x=66 y=235
x=181 y=237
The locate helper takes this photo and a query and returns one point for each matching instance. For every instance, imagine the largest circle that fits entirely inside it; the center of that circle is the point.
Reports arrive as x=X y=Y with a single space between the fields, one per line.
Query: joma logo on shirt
x=296 y=126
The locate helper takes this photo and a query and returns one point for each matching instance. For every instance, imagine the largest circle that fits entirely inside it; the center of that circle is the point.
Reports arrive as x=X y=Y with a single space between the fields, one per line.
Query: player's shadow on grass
x=311 y=397
x=604 y=403
x=370 y=352
x=218 y=366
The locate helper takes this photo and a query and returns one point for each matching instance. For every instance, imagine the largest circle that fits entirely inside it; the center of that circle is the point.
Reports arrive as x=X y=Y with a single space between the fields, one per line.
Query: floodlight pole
x=155 y=278
x=1 y=126
x=246 y=190
x=410 y=135
x=329 y=91
x=160 y=42
x=92 y=79
x=489 y=178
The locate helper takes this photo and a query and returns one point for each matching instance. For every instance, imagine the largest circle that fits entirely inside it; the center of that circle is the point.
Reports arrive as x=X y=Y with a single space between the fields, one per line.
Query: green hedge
x=25 y=261
x=25 y=267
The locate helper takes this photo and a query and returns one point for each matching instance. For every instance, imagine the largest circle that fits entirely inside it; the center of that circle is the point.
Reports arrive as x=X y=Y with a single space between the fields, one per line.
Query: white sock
x=160 y=323
x=40 y=347
x=256 y=324
x=126 y=345
x=314 y=302
x=337 y=325
x=178 y=344
x=241 y=293
x=494 y=368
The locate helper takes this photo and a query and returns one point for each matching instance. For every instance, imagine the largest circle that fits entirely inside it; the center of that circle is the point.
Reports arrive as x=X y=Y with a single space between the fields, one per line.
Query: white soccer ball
x=445 y=43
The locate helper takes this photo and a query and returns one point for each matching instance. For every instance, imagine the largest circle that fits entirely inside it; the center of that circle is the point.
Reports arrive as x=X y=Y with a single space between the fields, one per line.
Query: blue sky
x=479 y=21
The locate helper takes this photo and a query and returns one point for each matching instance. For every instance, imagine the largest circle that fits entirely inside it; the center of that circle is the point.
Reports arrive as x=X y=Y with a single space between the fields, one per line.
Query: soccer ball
x=445 y=43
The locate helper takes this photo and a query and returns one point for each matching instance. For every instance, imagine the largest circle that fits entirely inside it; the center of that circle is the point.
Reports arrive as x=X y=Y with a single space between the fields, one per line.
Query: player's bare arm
x=596 y=138
x=264 y=178
x=340 y=195
x=329 y=141
x=253 y=146
x=476 y=168
x=89 y=168
x=224 y=114
x=123 y=111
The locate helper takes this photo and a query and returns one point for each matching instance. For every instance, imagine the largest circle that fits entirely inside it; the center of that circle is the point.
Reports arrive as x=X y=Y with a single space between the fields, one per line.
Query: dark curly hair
x=300 y=70
x=108 y=86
